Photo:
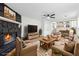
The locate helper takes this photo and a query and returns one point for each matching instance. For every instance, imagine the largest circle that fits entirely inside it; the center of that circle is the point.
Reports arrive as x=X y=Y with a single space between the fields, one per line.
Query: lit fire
x=8 y=37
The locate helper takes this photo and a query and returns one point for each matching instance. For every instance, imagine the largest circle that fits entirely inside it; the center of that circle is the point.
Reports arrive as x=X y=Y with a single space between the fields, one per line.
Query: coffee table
x=46 y=44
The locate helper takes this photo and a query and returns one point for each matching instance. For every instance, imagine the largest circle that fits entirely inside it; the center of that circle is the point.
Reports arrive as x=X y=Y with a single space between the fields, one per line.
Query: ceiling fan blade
x=52 y=17
x=52 y=14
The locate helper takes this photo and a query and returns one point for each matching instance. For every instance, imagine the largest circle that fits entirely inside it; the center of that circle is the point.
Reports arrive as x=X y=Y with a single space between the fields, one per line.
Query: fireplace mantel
x=9 y=20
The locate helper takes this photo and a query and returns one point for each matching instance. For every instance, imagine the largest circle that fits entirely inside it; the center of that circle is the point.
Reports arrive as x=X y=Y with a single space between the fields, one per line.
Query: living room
x=39 y=29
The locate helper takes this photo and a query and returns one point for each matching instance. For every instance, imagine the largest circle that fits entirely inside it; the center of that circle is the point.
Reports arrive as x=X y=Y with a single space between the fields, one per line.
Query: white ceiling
x=35 y=10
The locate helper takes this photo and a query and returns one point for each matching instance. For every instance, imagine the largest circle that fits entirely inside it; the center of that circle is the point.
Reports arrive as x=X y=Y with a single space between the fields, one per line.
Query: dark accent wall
x=7 y=27
x=14 y=30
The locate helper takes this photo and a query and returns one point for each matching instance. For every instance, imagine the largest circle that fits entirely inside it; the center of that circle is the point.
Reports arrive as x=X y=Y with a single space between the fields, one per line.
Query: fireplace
x=8 y=33
x=9 y=38
x=7 y=42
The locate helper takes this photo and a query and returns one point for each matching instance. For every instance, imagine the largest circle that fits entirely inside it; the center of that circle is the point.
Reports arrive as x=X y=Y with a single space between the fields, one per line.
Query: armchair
x=57 y=51
x=23 y=51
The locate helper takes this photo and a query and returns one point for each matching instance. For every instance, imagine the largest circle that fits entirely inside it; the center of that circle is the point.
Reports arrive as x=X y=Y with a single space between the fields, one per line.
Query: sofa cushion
x=69 y=47
x=29 y=50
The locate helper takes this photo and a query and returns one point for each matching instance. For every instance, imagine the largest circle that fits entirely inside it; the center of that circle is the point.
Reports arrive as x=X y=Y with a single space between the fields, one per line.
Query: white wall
x=47 y=27
x=26 y=21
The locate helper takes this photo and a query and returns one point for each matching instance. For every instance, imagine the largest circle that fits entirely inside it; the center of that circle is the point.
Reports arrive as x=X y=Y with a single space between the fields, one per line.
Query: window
x=73 y=24
x=78 y=23
x=54 y=25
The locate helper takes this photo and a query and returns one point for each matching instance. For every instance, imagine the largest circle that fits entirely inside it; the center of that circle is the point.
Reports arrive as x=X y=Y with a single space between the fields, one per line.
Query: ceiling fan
x=49 y=15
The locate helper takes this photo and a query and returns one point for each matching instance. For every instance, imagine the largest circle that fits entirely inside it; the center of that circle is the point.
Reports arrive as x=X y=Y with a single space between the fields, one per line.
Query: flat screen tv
x=32 y=28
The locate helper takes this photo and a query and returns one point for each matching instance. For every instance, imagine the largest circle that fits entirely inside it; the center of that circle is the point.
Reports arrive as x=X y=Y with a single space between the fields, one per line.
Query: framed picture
x=8 y=13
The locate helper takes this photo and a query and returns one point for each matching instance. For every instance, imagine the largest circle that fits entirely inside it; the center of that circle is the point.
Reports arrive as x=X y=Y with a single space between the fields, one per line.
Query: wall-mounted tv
x=32 y=28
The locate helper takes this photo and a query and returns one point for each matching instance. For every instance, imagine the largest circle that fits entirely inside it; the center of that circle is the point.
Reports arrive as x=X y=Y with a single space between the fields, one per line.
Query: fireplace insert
x=7 y=42
x=9 y=37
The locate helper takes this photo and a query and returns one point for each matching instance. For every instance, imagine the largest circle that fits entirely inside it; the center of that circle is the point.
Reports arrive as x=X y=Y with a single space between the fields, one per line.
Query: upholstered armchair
x=57 y=51
x=23 y=51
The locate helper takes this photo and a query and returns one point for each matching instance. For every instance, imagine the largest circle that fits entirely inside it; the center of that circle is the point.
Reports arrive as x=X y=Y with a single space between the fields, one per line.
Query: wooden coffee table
x=46 y=43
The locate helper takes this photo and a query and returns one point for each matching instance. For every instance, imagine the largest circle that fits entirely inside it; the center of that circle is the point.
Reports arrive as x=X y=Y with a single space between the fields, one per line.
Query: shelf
x=9 y=20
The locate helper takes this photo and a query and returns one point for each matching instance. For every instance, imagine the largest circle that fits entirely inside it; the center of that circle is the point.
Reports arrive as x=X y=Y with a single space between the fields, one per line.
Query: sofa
x=22 y=50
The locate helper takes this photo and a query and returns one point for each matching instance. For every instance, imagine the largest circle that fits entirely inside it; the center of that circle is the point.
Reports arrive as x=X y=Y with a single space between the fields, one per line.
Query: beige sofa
x=20 y=51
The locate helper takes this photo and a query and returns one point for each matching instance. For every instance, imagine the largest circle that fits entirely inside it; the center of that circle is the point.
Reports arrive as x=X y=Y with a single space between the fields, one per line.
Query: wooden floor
x=43 y=52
